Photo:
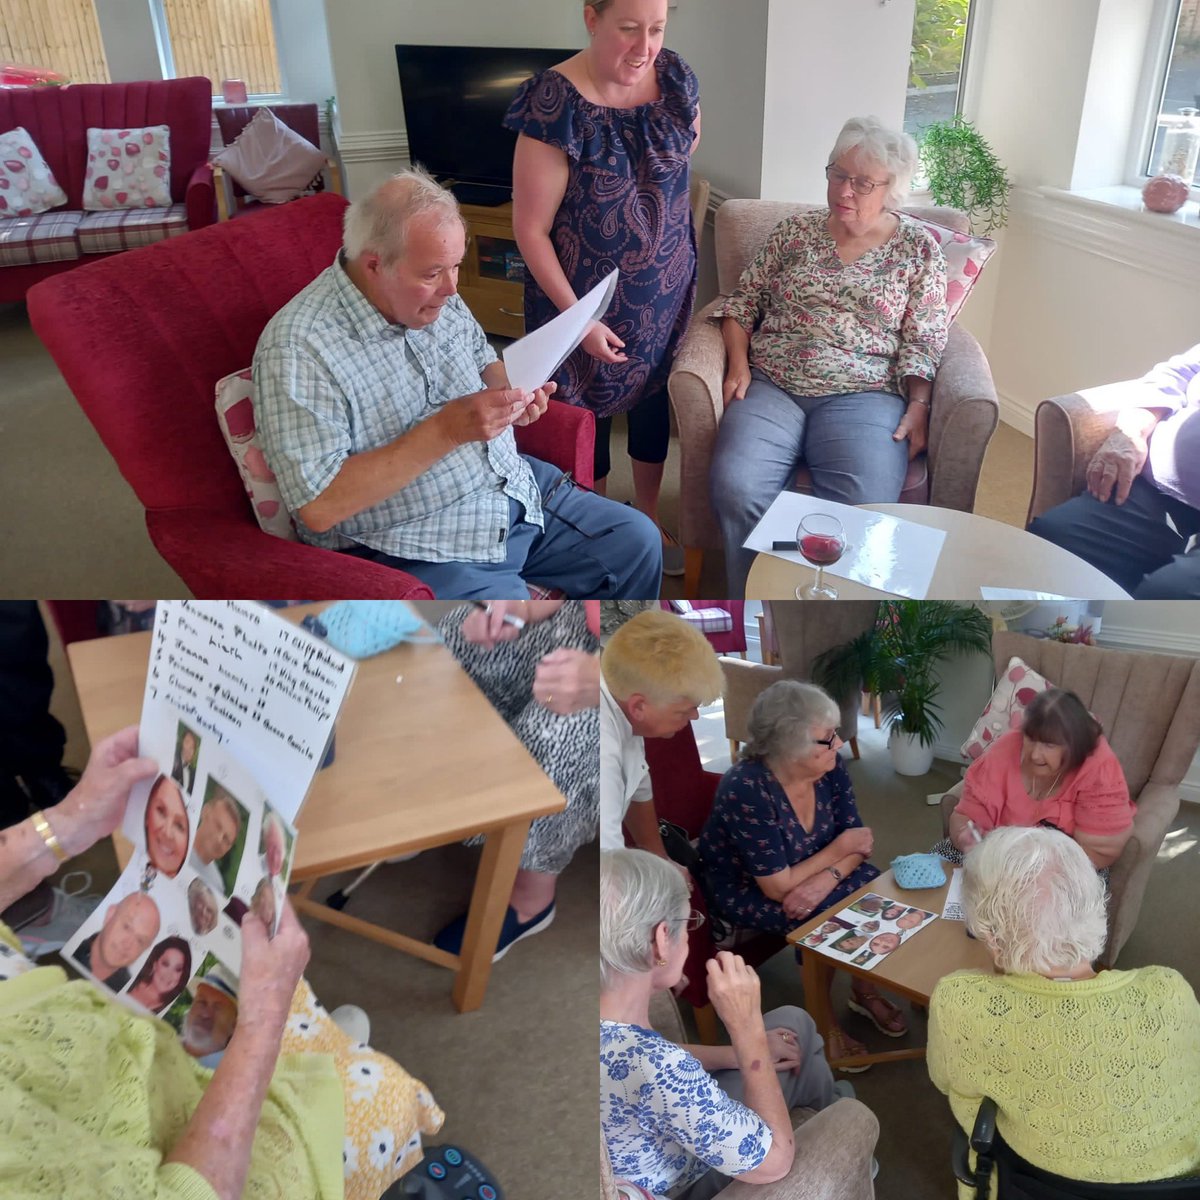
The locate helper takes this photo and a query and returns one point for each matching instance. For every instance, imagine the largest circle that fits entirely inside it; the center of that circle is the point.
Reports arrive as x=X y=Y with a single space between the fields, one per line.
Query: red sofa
x=142 y=338
x=58 y=120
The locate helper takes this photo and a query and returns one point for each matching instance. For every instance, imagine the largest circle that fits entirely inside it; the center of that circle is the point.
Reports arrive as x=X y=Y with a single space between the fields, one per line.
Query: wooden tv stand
x=485 y=280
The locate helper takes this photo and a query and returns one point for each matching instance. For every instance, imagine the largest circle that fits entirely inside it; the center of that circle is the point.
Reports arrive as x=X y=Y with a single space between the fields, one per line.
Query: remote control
x=450 y=1173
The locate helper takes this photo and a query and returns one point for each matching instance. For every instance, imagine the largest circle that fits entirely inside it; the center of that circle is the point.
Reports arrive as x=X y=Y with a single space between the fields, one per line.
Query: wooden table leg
x=816 y=972
x=489 y=901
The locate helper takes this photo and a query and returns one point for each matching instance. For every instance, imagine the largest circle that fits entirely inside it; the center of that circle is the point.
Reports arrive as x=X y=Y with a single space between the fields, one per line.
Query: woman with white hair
x=832 y=338
x=784 y=840
x=1096 y=1077
x=686 y=1119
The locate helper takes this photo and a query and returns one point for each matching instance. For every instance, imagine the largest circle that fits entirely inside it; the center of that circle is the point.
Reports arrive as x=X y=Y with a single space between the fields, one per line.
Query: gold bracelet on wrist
x=48 y=836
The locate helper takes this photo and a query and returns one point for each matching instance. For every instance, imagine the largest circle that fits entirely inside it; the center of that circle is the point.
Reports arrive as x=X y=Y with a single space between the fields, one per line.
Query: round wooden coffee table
x=978 y=552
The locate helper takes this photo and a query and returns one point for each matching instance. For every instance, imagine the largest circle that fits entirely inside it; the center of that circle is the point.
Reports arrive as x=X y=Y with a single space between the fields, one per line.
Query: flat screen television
x=454 y=100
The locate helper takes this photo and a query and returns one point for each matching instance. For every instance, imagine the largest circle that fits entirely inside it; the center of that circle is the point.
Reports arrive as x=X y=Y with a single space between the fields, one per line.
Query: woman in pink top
x=1057 y=769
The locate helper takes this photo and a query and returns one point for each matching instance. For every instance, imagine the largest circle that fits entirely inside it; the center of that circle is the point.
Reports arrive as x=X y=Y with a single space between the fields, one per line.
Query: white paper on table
x=953 y=909
x=1003 y=593
x=882 y=552
x=533 y=359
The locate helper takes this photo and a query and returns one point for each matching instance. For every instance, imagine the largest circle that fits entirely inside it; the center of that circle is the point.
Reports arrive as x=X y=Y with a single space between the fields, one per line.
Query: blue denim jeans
x=590 y=547
x=845 y=441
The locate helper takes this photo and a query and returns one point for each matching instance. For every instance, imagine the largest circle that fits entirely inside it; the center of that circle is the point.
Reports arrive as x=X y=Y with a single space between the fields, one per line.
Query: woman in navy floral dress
x=601 y=181
x=784 y=840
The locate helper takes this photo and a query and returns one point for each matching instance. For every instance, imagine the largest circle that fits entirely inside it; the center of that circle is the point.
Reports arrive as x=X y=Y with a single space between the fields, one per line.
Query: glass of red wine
x=821 y=539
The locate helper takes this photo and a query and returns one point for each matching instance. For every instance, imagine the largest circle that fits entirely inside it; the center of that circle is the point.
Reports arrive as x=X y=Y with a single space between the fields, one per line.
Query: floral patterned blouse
x=665 y=1119
x=820 y=327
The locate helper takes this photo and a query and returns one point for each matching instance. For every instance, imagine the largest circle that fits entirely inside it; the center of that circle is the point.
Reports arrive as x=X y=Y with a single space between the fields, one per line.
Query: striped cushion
x=47 y=237
x=123 y=229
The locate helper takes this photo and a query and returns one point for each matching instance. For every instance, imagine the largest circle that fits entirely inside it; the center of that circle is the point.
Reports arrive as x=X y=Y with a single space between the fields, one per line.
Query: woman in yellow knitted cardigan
x=1095 y=1077
x=98 y=1102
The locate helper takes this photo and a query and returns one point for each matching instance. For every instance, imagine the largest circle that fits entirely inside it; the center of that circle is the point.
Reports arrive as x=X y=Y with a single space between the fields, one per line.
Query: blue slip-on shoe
x=511 y=932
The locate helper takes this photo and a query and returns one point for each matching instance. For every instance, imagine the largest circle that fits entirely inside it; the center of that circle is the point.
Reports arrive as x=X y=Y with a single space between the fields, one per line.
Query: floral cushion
x=271 y=162
x=27 y=185
x=1015 y=689
x=965 y=256
x=235 y=412
x=128 y=168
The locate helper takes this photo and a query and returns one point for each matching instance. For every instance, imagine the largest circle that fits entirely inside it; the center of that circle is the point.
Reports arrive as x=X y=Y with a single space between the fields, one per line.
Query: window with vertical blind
x=220 y=39
x=56 y=35
x=1174 y=90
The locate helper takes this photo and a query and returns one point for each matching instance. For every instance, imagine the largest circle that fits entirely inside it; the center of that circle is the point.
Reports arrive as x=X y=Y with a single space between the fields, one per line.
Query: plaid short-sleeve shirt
x=333 y=378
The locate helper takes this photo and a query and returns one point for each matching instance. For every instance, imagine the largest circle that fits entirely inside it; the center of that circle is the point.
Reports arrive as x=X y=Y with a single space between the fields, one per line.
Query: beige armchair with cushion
x=963 y=417
x=834 y=1145
x=1068 y=430
x=1149 y=705
x=801 y=632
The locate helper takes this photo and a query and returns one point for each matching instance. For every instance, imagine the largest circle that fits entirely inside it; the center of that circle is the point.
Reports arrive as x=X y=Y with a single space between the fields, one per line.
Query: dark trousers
x=1141 y=544
x=31 y=740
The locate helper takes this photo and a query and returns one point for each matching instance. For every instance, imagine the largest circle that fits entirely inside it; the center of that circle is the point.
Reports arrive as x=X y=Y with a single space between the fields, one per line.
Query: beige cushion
x=27 y=185
x=271 y=162
x=128 y=168
x=1015 y=690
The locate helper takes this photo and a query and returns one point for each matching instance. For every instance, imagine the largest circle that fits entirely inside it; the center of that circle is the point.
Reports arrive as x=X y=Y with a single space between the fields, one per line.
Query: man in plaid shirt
x=368 y=401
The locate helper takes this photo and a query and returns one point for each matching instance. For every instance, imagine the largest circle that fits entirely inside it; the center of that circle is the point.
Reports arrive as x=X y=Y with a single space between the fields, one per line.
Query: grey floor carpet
x=75 y=528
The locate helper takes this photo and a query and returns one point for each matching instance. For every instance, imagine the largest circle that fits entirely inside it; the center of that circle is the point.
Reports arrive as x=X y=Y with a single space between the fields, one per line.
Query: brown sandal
x=868 y=1006
x=838 y=1045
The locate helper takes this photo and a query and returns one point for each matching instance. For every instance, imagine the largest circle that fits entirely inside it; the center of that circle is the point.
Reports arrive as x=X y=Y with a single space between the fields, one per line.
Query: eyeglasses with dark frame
x=859 y=185
x=835 y=736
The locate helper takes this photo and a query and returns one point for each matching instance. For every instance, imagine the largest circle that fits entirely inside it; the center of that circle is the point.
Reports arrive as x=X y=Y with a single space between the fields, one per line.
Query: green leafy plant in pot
x=963 y=172
x=897 y=659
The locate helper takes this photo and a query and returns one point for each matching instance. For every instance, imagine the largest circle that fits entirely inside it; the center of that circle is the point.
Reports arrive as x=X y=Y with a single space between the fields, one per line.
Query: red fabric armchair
x=142 y=339
x=58 y=120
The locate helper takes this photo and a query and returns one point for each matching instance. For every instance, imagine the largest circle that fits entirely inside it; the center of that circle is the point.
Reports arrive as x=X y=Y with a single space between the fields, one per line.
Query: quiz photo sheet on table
x=866 y=932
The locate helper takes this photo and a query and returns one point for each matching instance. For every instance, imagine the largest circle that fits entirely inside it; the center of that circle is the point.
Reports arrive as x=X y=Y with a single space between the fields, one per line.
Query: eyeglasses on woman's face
x=835 y=736
x=694 y=920
x=859 y=184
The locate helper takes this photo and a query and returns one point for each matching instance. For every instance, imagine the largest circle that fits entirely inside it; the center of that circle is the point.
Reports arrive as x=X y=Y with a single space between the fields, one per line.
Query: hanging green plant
x=963 y=172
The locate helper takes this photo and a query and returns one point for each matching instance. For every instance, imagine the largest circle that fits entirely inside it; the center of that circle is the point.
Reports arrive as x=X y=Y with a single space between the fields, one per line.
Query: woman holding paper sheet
x=832 y=338
x=95 y=1099
x=1095 y=1076
x=784 y=840
x=601 y=181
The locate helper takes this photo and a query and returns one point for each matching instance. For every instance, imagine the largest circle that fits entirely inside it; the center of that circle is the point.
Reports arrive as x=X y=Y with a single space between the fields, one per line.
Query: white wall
x=827 y=60
x=1079 y=294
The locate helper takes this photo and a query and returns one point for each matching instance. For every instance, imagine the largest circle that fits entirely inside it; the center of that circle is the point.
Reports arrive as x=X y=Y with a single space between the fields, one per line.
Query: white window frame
x=162 y=35
x=1159 y=49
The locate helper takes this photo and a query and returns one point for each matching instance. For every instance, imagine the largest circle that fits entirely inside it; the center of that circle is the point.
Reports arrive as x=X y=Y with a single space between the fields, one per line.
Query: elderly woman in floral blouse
x=833 y=337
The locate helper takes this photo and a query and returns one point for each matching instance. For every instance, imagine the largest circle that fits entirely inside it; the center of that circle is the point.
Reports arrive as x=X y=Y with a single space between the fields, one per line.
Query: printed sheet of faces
x=867 y=931
x=208 y=847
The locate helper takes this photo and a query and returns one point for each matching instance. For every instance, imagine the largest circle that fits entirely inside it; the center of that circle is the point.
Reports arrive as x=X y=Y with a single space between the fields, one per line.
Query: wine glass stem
x=820 y=579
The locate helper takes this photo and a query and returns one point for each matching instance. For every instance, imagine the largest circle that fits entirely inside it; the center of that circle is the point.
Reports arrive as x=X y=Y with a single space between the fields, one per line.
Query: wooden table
x=911 y=970
x=978 y=552
x=422 y=759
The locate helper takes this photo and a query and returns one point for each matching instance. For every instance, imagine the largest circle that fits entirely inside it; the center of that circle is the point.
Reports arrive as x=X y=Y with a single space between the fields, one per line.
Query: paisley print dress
x=627 y=206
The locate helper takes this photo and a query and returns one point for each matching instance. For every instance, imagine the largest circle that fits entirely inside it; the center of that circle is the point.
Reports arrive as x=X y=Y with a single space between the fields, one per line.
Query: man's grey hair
x=892 y=149
x=379 y=222
x=638 y=891
x=1034 y=896
x=784 y=718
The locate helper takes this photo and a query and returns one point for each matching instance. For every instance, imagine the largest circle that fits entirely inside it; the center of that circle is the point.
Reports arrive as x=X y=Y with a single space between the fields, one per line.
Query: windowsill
x=1113 y=223
x=1129 y=201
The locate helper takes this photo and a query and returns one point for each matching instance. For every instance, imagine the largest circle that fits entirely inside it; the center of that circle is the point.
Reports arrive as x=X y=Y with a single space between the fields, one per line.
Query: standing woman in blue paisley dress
x=784 y=840
x=601 y=180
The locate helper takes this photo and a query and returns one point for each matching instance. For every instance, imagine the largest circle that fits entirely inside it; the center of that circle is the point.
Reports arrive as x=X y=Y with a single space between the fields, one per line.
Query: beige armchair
x=1149 y=705
x=833 y=1147
x=963 y=417
x=801 y=632
x=1068 y=430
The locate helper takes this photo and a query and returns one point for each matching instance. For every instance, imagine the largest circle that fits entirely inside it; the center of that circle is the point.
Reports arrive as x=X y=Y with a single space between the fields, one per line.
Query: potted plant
x=897 y=659
x=963 y=172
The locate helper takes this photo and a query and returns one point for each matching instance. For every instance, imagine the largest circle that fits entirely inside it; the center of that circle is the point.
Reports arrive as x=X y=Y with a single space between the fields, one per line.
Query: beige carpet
x=75 y=529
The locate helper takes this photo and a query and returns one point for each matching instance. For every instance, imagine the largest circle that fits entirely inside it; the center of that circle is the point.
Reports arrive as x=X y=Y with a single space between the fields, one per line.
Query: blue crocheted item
x=914 y=871
x=361 y=628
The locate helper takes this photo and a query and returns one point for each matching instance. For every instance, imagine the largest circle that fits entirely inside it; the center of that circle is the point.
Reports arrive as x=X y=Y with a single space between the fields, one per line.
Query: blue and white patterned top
x=665 y=1119
x=333 y=377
